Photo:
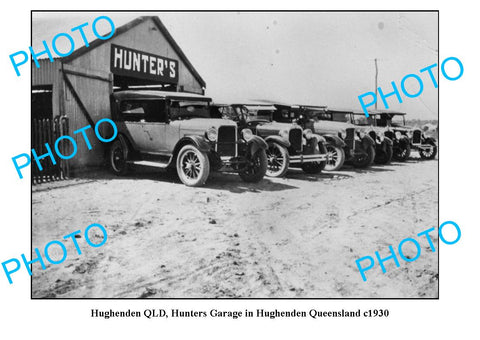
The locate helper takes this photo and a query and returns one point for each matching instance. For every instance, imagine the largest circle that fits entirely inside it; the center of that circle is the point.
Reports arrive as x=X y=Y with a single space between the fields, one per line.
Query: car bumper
x=296 y=159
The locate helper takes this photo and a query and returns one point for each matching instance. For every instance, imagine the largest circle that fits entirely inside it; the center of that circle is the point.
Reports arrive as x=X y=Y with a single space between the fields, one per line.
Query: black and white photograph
x=235 y=154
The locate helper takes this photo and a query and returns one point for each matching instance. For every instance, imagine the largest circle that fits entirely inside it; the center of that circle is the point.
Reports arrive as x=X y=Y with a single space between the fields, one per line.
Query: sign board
x=128 y=62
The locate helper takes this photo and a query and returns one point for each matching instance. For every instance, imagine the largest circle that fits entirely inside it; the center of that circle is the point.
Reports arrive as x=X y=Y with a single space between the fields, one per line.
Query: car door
x=145 y=121
x=154 y=127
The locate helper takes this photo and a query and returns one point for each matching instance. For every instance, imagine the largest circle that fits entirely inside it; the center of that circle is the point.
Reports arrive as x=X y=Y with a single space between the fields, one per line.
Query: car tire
x=336 y=157
x=258 y=168
x=118 y=157
x=384 y=157
x=402 y=152
x=278 y=160
x=365 y=160
x=316 y=167
x=429 y=155
x=193 y=166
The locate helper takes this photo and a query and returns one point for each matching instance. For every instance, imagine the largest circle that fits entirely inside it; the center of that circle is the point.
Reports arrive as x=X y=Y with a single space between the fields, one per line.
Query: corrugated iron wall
x=47 y=73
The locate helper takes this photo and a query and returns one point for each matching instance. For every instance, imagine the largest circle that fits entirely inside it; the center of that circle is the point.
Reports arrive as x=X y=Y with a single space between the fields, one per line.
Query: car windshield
x=397 y=120
x=340 y=117
x=233 y=113
x=186 y=109
x=317 y=114
x=259 y=114
x=389 y=120
x=361 y=119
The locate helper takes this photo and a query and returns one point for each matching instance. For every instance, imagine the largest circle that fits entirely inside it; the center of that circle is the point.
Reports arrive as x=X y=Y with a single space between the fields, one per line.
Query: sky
x=314 y=58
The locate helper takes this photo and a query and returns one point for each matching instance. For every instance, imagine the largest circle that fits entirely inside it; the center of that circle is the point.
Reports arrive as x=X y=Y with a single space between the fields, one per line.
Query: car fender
x=431 y=140
x=388 y=141
x=320 y=139
x=335 y=140
x=278 y=139
x=123 y=139
x=199 y=142
x=256 y=143
x=367 y=141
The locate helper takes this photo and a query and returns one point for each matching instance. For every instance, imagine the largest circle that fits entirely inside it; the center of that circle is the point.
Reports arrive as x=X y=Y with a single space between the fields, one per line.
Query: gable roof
x=124 y=28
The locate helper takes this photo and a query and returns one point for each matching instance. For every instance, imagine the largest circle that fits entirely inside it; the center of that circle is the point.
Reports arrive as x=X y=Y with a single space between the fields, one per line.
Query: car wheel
x=316 y=167
x=402 y=152
x=257 y=169
x=193 y=166
x=429 y=154
x=384 y=157
x=335 y=157
x=118 y=157
x=366 y=159
x=277 y=160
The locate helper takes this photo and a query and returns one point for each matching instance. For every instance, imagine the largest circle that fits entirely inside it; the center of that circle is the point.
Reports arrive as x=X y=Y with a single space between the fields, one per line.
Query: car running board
x=150 y=163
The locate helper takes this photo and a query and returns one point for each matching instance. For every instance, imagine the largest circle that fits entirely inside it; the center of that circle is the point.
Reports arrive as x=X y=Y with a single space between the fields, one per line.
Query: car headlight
x=308 y=133
x=361 y=134
x=247 y=134
x=212 y=134
x=410 y=134
x=284 y=134
x=342 y=134
x=398 y=135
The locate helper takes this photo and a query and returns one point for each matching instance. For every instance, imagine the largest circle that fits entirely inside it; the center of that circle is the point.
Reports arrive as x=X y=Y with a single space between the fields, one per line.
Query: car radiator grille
x=417 y=137
x=226 y=141
x=295 y=137
x=350 y=139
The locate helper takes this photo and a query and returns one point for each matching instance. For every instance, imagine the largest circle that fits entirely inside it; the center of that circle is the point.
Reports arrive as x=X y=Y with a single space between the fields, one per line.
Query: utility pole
x=376 y=82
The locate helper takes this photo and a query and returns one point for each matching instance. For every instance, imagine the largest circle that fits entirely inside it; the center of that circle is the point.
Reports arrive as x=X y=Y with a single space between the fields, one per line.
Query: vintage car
x=288 y=144
x=395 y=122
x=175 y=130
x=401 y=142
x=383 y=144
x=344 y=142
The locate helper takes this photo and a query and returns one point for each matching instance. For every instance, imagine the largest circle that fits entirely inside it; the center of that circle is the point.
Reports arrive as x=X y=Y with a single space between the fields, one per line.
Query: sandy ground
x=282 y=238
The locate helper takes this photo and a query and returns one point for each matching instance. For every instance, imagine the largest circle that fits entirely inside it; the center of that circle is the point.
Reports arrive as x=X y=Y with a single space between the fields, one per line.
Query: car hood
x=368 y=128
x=273 y=128
x=326 y=126
x=201 y=124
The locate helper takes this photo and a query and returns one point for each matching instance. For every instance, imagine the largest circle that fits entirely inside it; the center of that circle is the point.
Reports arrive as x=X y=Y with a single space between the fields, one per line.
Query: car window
x=382 y=121
x=263 y=114
x=341 y=117
x=143 y=111
x=228 y=112
x=186 y=109
x=324 y=116
x=362 y=120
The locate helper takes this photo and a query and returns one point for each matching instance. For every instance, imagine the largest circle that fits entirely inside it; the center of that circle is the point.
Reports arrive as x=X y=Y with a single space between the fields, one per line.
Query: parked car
x=345 y=143
x=395 y=122
x=174 y=130
x=383 y=144
x=288 y=144
x=401 y=142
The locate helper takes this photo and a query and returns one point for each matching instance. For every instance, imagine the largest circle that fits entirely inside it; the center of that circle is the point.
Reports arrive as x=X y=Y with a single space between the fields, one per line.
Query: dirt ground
x=296 y=237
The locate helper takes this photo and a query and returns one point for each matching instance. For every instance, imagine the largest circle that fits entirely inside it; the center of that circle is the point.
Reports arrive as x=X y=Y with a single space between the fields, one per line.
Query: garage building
x=77 y=88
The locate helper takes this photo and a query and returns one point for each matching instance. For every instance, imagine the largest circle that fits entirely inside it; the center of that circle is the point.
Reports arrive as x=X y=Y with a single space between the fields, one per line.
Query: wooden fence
x=47 y=131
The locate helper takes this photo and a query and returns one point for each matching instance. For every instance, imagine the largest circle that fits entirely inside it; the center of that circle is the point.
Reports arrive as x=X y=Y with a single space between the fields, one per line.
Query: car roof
x=390 y=112
x=256 y=106
x=312 y=107
x=152 y=94
x=339 y=110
